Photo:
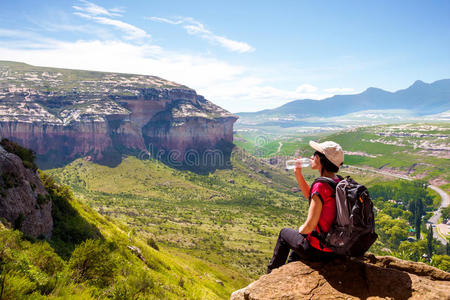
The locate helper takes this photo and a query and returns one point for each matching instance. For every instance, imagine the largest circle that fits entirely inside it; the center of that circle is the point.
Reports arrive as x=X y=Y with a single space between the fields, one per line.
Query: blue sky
x=241 y=55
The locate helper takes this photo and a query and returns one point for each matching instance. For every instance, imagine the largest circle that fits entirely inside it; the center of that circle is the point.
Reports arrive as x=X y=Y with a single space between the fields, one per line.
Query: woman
x=304 y=243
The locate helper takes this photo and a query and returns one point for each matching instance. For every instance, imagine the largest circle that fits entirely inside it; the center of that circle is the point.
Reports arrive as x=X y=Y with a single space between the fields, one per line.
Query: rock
x=367 y=278
x=136 y=251
x=24 y=202
x=273 y=161
x=104 y=115
x=219 y=282
x=231 y=181
x=295 y=189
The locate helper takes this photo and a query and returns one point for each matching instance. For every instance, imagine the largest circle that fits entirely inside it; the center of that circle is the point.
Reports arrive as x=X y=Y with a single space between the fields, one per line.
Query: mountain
x=63 y=114
x=420 y=98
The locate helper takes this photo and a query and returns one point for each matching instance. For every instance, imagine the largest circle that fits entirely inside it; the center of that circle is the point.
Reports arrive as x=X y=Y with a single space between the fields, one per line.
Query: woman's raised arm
x=304 y=187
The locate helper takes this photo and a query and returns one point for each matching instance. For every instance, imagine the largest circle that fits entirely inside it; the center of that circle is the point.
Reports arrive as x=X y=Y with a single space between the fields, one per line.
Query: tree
x=430 y=241
x=91 y=261
x=418 y=216
x=446 y=212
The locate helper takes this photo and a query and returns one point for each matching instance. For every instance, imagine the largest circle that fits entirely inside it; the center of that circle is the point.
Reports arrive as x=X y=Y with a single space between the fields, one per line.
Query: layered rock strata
x=64 y=114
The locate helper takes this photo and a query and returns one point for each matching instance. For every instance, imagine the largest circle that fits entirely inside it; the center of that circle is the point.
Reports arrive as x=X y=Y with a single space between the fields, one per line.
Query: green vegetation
x=416 y=150
x=230 y=217
x=143 y=229
x=403 y=208
x=27 y=155
x=446 y=212
x=89 y=257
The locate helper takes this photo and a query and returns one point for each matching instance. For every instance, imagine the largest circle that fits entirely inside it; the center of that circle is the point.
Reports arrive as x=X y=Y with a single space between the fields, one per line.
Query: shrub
x=136 y=284
x=442 y=262
x=92 y=261
x=69 y=228
x=10 y=180
x=152 y=243
x=43 y=199
x=26 y=155
x=19 y=221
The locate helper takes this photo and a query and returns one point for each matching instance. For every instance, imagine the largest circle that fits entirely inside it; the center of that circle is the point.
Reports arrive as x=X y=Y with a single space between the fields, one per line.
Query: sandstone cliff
x=367 y=278
x=64 y=114
x=24 y=202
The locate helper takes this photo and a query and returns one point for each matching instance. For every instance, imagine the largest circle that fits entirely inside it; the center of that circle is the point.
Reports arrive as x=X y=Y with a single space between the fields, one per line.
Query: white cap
x=331 y=150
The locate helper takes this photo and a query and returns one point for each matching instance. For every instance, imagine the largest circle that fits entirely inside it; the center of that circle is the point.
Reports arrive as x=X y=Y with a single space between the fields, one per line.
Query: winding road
x=279 y=147
x=434 y=220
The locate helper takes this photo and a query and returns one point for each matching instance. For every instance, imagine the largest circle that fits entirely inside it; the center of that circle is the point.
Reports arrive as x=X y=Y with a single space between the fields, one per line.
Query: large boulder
x=371 y=277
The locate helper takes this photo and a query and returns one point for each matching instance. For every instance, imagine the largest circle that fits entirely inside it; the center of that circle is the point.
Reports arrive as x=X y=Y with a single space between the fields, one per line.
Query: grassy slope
x=26 y=267
x=230 y=218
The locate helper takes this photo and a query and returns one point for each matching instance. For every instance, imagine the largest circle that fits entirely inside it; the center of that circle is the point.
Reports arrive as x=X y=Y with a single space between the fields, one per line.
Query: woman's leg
x=287 y=239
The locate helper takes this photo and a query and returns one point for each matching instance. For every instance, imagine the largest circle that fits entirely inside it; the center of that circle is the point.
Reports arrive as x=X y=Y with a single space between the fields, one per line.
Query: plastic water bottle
x=305 y=162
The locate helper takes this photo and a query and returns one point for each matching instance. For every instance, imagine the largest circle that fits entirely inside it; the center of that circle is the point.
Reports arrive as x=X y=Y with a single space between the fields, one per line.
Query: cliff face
x=64 y=114
x=368 y=278
x=24 y=202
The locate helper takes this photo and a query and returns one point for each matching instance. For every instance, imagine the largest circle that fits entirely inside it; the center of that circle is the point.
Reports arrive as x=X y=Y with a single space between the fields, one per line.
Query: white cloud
x=194 y=27
x=339 y=90
x=233 y=87
x=97 y=13
x=306 y=88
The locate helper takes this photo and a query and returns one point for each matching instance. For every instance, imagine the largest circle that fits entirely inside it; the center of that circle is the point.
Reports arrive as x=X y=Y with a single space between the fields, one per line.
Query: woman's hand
x=301 y=228
x=304 y=187
x=298 y=166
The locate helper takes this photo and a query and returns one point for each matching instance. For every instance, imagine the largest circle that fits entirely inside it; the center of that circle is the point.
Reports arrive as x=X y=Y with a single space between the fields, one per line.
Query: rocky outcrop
x=64 y=114
x=24 y=202
x=367 y=278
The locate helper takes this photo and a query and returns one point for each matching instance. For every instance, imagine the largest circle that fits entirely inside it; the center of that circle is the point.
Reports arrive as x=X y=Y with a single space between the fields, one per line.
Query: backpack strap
x=319 y=234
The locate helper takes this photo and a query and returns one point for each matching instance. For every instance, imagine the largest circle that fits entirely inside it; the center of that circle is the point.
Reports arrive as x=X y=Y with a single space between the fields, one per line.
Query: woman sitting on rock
x=304 y=242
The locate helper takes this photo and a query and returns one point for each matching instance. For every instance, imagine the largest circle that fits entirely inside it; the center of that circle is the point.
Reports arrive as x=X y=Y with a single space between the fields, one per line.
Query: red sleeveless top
x=328 y=214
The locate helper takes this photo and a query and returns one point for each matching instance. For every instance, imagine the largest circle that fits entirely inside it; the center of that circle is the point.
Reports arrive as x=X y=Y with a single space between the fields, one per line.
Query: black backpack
x=353 y=231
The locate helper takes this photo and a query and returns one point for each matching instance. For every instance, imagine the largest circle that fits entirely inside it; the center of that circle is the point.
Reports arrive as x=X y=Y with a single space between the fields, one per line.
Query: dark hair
x=326 y=164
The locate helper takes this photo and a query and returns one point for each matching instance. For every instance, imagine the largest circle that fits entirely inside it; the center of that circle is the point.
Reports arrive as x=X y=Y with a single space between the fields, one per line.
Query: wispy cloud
x=236 y=87
x=194 y=27
x=104 y=16
x=95 y=10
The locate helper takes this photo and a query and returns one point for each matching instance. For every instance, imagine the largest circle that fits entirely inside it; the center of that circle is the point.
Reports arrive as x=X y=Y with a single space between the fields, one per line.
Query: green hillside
x=417 y=150
x=230 y=217
x=91 y=257
x=202 y=236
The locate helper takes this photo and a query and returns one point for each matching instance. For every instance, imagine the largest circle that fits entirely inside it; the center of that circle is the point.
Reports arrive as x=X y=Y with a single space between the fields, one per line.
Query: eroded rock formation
x=64 y=114
x=368 y=278
x=24 y=202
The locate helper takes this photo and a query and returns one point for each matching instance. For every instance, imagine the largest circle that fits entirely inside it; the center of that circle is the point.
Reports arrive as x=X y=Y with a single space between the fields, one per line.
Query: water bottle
x=305 y=162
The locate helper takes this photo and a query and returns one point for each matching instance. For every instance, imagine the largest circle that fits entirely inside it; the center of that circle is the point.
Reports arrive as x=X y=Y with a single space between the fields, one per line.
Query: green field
x=231 y=217
x=89 y=257
x=420 y=151
x=225 y=224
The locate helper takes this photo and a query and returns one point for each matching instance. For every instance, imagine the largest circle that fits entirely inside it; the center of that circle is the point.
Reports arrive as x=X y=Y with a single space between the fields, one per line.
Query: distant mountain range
x=420 y=99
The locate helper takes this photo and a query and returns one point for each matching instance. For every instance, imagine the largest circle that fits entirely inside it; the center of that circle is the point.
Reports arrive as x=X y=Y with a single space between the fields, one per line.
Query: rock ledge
x=370 y=277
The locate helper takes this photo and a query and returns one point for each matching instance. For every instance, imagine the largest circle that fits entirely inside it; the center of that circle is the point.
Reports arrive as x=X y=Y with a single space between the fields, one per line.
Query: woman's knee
x=285 y=232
